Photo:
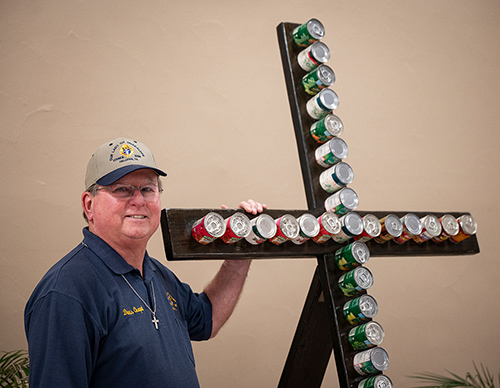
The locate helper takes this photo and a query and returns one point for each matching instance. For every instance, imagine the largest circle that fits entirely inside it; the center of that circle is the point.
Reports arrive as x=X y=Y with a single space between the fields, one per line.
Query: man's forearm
x=225 y=289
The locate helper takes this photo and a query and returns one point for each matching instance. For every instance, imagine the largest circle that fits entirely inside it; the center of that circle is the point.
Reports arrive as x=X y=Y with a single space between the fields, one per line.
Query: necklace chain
x=153 y=311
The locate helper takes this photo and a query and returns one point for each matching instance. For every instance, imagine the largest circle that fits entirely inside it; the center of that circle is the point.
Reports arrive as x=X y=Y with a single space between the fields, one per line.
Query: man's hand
x=250 y=206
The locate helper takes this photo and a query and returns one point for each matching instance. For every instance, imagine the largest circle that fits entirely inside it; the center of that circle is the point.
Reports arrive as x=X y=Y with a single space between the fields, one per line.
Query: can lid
x=289 y=226
x=360 y=251
x=325 y=75
x=350 y=200
x=449 y=224
x=468 y=224
x=393 y=225
x=432 y=225
x=315 y=28
x=368 y=306
x=214 y=224
x=363 y=277
x=354 y=224
x=309 y=225
x=379 y=359
x=334 y=125
x=343 y=172
x=412 y=224
x=265 y=225
x=338 y=148
x=382 y=381
x=372 y=225
x=240 y=224
x=331 y=222
x=328 y=99
x=320 y=52
x=374 y=332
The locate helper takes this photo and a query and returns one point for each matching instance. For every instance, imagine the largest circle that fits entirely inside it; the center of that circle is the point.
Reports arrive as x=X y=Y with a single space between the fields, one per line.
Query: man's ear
x=87 y=202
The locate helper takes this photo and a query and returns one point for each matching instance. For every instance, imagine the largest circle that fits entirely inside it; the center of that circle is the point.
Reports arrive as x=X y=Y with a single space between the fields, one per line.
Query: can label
x=360 y=309
x=371 y=361
x=379 y=381
x=366 y=336
x=237 y=227
x=355 y=281
x=352 y=255
x=208 y=228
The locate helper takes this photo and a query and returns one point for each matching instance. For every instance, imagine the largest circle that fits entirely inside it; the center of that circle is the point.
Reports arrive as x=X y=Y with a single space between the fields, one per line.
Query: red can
x=208 y=228
x=411 y=227
x=287 y=229
x=449 y=226
x=371 y=228
x=237 y=227
x=329 y=224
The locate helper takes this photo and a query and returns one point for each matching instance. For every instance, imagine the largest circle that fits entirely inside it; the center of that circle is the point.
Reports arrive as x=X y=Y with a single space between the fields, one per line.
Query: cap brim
x=119 y=173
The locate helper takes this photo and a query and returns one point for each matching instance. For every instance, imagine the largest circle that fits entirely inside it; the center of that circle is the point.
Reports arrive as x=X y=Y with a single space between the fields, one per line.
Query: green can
x=380 y=381
x=360 y=309
x=355 y=281
x=352 y=255
x=308 y=33
x=326 y=128
x=318 y=79
x=366 y=336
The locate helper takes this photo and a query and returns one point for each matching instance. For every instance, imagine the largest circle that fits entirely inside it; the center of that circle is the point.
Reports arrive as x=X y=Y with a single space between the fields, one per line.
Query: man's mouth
x=138 y=217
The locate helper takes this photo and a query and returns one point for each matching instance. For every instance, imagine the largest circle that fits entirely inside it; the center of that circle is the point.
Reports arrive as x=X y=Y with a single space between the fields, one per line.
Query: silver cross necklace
x=153 y=311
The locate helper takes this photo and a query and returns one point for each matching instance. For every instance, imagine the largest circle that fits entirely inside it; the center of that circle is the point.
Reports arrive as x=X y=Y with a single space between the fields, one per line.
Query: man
x=109 y=315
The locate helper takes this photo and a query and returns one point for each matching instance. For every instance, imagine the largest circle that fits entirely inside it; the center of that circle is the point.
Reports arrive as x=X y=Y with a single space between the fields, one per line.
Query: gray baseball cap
x=117 y=158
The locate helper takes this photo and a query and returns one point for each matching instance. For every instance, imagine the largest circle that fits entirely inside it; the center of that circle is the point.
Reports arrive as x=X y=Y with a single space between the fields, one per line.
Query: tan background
x=201 y=83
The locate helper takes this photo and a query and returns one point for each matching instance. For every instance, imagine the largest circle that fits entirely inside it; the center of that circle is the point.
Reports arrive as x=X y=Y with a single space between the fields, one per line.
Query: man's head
x=122 y=202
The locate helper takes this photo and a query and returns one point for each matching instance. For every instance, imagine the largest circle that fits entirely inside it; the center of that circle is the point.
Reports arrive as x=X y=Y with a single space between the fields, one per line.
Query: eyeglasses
x=149 y=192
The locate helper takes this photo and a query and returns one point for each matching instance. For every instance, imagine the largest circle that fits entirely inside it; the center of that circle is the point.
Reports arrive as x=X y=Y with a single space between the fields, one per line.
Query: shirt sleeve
x=62 y=342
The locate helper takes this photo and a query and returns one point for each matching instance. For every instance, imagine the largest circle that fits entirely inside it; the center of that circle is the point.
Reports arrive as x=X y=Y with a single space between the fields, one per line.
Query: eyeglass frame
x=128 y=197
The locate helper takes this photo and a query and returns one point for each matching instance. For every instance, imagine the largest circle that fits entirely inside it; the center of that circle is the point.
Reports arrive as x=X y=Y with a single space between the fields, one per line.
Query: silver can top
x=353 y=223
x=368 y=306
x=374 y=333
x=412 y=224
x=325 y=75
x=214 y=224
x=334 y=125
x=379 y=359
x=320 y=52
x=468 y=224
x=309 y=225
x=350 y=200
x=382 y=381
x=315 y=28
x=240 y=224
x=360 y=251
x=343 y=172
x=338 y=148
x=363 y=277
x=393 y=225
x=432 y=225
x=289 y=226
x=330 y=222
x=265 y=225
x=371 y=225
x=450 y=225
x=327 y=99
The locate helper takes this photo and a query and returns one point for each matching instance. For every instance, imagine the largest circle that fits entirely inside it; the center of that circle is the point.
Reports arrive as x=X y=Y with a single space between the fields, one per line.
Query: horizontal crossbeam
x=180 y=245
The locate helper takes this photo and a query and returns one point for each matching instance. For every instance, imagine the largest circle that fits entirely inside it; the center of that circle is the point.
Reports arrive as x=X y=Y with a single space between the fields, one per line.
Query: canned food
x=431 y=227
x=308 y=228
x=392 y=227
x=366 y=335
x=326 y=128
x=237 y=227
x=329 y=224
x=208 y=228
x=332 y=152
x=411 y=227
x=322 y=103
x=342 y=202
x=313 y=56
x=318 y=79
x=263 y=228
x=355 y=281
x=352 y=255
x=309 y=32
x=360 y=309
x=371 y=361
x=351 y=225
x=467 y=227
x=450 y=228
x=336 y=177
x=380 y=381
x=371 y=228
x=287 y=228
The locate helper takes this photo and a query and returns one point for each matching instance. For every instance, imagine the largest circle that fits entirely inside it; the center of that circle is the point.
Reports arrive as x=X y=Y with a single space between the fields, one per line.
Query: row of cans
x=264 y=227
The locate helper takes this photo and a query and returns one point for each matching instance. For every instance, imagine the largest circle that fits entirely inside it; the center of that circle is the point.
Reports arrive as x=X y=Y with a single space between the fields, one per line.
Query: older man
x=108 y=314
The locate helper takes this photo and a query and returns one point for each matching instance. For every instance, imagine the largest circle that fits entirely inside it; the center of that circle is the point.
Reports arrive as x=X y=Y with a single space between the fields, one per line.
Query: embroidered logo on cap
x=126 y=150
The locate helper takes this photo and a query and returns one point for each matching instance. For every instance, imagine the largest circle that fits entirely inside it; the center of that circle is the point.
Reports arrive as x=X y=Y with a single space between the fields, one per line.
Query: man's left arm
x=225 y=288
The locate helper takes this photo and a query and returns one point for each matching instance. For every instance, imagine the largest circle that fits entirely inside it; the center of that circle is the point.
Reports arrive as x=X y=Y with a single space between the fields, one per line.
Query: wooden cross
x=322 y=327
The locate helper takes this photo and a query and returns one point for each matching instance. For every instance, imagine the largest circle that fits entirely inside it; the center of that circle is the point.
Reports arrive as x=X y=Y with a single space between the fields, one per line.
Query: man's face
x=122 y=222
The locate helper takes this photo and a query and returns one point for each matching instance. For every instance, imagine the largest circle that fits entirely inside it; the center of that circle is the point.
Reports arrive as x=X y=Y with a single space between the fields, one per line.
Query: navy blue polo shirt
x=87 y=328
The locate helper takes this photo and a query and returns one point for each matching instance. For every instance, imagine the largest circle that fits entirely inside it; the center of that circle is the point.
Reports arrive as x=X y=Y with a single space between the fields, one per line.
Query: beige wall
x=201 y=83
